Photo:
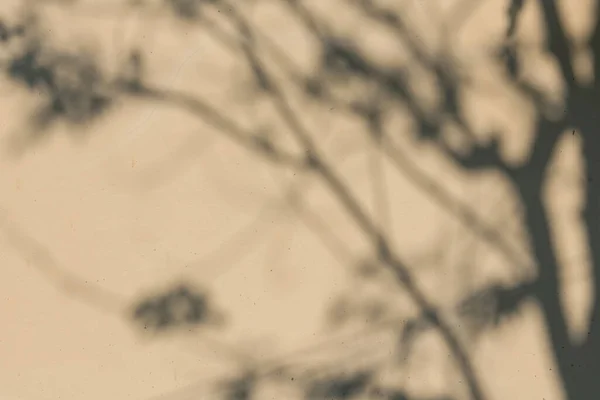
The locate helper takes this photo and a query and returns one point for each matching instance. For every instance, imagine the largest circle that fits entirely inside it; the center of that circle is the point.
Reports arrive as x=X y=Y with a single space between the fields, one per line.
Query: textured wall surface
x=96 y=215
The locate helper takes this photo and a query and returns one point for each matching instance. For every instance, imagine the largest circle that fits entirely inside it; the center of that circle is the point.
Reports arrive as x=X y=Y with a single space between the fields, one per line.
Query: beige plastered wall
x=145 y=195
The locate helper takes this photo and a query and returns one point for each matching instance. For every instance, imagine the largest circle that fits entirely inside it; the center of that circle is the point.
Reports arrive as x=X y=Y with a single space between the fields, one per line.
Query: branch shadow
x=87 y=94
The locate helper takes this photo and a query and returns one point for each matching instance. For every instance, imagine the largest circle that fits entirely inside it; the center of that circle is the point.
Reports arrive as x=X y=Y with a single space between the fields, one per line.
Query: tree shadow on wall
x=69 y=84
x=343 y=64
x=181 y=307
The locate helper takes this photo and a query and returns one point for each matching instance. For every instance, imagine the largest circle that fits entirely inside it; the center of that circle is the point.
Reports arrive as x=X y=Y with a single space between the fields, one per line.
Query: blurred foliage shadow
x=75 y=90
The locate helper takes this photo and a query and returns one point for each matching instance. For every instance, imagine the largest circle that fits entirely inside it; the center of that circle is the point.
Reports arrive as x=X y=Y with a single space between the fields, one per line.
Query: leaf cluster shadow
x=342 y=65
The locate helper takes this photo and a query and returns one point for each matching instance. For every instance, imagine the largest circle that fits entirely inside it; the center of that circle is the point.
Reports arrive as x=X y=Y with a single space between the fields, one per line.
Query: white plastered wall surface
x=95 y=216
